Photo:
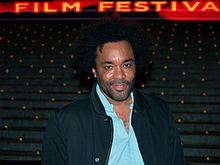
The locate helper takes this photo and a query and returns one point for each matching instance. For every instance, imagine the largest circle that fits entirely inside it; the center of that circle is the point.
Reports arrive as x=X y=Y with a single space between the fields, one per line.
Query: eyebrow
x=110 y=62
x=129 y=60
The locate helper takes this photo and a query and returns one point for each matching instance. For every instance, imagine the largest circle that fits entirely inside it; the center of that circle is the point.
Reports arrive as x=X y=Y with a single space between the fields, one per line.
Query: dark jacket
x=81 y=133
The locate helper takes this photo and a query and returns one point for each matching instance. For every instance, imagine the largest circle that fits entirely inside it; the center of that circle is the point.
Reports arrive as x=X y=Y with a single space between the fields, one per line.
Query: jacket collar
x=139 y=102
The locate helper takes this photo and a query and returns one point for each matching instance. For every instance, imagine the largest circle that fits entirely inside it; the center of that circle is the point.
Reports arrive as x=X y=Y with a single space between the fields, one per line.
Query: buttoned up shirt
x=125 y=149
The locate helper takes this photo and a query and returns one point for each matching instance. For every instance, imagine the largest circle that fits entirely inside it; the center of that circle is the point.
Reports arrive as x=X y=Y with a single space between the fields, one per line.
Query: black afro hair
x=110 y=29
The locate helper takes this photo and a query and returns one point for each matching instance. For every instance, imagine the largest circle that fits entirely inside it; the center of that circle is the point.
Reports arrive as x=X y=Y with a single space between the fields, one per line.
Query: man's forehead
x=100 y=47
x=114 y=48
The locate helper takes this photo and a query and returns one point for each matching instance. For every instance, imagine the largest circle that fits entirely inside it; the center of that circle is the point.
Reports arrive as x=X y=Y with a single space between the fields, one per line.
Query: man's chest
x=123 y=113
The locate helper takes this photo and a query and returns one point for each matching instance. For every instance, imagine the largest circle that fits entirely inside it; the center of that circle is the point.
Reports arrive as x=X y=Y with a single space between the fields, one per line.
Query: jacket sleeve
x=176 y=155
x=54 y=148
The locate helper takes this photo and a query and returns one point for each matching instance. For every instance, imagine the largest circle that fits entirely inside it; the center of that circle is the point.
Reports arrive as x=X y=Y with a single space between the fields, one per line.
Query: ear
x=94 y=72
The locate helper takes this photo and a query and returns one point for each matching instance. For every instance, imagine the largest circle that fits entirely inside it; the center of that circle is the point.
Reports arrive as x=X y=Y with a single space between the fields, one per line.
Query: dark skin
x=115 y=73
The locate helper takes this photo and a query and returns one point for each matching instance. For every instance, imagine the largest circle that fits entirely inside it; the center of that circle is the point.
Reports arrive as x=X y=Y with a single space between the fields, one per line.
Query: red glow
x=204 y=11
x=210 y=6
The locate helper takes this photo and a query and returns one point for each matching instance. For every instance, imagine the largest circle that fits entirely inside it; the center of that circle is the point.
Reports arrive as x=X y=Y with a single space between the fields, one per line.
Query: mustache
x=120 y=82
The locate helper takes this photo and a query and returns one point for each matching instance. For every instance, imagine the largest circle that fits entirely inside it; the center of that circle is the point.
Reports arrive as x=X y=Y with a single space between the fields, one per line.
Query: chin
x=120 y=98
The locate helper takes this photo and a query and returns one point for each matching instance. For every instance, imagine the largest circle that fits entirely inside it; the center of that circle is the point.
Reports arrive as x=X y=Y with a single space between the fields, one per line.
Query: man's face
x=115 y=70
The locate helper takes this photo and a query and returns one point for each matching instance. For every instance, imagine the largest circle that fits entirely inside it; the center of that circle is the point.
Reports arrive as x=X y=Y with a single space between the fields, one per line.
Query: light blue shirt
x=124 y=148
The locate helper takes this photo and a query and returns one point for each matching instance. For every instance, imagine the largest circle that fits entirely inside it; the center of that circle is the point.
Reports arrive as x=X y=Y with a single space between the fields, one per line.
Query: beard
x=117 y=95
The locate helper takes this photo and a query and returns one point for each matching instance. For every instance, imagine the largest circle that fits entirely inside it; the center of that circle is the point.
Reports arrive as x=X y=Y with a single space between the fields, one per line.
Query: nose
x=119 y=73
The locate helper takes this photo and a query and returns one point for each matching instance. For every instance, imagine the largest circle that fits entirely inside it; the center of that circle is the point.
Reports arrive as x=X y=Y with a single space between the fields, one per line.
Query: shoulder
x=68 y=120
x=150 y=99
x=153 y=99
x=156 y=105
x=73 y=110
x=158 y=110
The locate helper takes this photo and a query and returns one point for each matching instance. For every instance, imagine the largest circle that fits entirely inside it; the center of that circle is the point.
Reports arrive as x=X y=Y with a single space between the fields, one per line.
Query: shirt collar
x=105 y=102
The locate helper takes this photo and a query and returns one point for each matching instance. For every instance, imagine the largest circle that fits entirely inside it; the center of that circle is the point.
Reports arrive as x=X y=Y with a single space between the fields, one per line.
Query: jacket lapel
x=96 y=102
x=142 y=128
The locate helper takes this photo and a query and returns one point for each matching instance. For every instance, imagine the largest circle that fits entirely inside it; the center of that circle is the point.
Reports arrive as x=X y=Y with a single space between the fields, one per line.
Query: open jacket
x=81 y=133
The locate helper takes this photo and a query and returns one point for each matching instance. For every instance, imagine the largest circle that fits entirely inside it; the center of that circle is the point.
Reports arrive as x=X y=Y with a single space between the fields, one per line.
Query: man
x=115 y=124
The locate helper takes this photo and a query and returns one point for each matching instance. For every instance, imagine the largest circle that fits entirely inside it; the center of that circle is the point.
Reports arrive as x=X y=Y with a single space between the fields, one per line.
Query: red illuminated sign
x=46 y=7
x=173 y=10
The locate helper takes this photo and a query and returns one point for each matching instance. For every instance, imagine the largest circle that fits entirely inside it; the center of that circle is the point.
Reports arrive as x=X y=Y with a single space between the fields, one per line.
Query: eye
x=108 y=67
x=127 y=65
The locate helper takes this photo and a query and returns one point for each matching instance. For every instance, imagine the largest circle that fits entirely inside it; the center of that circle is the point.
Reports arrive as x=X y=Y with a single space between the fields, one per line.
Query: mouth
x=119 y=86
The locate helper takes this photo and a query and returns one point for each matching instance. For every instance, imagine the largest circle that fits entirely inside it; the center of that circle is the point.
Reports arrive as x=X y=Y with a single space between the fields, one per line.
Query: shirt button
x=135 y=111
x=96 y=160
x=105 y=119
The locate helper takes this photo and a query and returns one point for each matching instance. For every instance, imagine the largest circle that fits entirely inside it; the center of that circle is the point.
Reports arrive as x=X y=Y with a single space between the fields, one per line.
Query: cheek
x=130 y=75
x=108 y=76
x=104 y=76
